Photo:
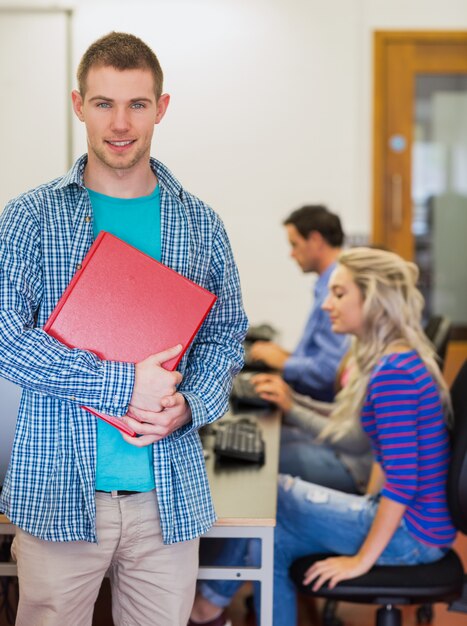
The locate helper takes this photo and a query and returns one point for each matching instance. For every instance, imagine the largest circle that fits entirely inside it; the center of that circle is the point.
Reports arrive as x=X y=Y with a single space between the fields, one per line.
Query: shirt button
x=79 y=266
x=87 y=219
x=115 y=400
x=72 y=398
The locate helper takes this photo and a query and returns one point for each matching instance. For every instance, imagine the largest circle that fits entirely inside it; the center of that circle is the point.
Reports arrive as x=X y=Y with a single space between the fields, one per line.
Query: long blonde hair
x=392 y=308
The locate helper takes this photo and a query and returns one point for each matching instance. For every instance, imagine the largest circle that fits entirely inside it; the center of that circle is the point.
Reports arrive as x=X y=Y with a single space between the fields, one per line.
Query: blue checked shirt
x=49 y=487
x=312 y=367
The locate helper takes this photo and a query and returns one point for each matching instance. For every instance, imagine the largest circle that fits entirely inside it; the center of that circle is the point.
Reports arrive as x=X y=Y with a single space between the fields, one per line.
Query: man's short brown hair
x=123 y=52
x=316 y=217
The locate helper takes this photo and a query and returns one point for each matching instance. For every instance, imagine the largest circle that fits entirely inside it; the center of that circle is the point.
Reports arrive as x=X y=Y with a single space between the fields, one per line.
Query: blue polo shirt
x=137 y=221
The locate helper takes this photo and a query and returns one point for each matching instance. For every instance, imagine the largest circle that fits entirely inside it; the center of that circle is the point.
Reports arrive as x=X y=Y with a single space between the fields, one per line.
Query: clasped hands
x=156 y=408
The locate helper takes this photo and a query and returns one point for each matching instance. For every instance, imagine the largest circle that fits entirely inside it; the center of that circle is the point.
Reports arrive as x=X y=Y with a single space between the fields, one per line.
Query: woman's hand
x=333 y=570
x=272 y=387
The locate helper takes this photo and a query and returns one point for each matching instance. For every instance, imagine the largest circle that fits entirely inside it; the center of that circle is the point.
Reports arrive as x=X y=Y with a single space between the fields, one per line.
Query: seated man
x=315 y=236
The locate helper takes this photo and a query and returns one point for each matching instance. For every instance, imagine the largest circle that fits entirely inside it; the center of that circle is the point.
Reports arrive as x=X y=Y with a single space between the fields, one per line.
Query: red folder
x=123 y=305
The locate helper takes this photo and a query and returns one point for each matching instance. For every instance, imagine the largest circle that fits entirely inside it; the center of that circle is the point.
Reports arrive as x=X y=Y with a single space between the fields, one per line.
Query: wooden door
x=420 y=161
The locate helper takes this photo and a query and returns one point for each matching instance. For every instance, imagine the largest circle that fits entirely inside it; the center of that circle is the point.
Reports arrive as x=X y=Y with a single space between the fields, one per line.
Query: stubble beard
x=118 y=162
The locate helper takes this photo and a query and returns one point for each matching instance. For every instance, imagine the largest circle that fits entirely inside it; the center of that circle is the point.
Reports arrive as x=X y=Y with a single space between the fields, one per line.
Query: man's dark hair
x=316 y=217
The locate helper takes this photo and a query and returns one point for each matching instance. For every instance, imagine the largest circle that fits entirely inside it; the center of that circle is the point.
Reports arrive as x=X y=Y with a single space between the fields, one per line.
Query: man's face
x=119 y=110
x=305 y=251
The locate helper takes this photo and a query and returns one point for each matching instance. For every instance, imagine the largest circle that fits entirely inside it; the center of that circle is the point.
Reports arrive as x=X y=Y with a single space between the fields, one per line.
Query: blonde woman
x=397 y=394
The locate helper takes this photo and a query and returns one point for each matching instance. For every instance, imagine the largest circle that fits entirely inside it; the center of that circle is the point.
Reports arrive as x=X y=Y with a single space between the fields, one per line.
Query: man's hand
x=273 y=388
x=334 y=570
x=153 y=382
x=269 y=352
x=152 y=425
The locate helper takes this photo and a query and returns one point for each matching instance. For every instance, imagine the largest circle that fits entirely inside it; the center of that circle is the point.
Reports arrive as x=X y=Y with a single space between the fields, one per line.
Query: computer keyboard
x=244 y=394
x=240 y=440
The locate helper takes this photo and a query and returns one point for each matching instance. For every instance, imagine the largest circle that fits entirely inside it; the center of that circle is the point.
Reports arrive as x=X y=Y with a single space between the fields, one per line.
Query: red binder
x=123 y=305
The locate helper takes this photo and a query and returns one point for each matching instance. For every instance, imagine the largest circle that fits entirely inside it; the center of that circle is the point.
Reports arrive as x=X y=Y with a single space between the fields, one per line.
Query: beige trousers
x=152 y=584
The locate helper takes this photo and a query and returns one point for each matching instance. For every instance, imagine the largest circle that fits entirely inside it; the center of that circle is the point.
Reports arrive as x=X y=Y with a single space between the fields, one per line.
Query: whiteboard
x=35 y=108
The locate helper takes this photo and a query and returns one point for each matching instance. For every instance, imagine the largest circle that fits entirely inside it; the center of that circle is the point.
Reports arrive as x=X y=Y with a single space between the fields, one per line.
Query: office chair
x=438 y=330
x=392 y=586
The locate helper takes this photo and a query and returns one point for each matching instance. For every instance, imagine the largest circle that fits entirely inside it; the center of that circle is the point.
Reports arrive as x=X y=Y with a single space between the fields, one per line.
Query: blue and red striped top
x=403 y=417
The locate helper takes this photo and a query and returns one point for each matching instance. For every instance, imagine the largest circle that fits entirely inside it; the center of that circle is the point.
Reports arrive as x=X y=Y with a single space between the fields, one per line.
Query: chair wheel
x=425 y=614
x=329 y=614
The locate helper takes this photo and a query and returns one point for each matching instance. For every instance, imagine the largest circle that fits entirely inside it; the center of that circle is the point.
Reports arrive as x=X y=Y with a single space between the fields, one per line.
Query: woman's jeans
x=316 y=519
x=313 y=519
x=300 y=455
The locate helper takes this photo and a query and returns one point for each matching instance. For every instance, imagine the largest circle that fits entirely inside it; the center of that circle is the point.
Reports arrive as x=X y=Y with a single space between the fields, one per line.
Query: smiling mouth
x=121 y=144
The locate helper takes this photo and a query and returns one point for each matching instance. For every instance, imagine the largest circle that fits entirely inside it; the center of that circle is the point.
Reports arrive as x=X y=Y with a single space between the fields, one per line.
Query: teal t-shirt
x=138 y=222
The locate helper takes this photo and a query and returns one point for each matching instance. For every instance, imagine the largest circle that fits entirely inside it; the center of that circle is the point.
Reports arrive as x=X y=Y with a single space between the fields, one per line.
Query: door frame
x=383 y=39
x=380 y=191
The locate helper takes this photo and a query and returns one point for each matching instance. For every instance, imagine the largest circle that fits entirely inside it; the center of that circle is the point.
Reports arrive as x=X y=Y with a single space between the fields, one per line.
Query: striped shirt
x=50 y=483
x=404 y=419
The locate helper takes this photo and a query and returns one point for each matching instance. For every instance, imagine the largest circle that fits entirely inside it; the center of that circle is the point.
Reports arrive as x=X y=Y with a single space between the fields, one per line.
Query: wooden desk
x=245 y=498
x=7 y=528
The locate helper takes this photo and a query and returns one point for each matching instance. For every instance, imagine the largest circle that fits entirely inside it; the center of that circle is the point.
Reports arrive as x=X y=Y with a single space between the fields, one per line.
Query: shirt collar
x=321 y=285
x=75 y=176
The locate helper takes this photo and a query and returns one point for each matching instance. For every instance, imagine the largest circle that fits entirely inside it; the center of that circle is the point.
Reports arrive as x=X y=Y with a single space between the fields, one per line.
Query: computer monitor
x=9 y=402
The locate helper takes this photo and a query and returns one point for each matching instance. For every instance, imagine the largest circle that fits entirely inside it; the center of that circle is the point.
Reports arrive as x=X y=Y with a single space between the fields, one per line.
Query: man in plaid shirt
x=85 y=498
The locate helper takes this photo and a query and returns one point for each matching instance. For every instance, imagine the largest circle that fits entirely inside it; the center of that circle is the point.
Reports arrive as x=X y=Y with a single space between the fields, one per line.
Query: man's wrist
x=117 y=387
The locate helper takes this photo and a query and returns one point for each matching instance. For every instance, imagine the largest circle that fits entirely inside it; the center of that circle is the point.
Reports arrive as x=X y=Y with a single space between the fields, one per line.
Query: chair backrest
x=438 y=330
x=457 y=480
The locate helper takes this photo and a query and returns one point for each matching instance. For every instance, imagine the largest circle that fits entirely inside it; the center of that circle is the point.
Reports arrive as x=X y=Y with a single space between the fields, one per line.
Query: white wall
x=271 y=108
x=34 y=105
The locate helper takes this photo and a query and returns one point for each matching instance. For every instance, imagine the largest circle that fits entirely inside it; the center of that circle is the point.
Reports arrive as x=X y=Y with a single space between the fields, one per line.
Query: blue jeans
x=300 y=455
x=312 y=519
